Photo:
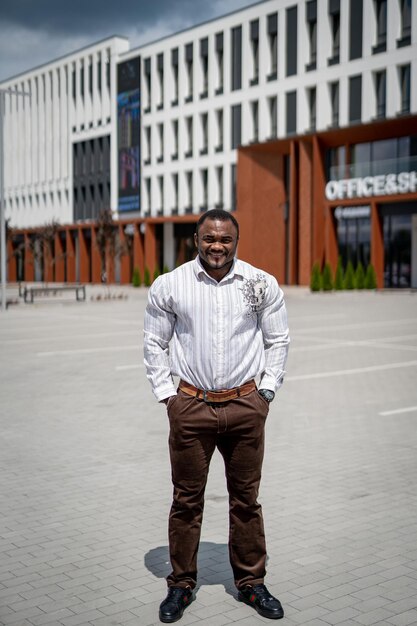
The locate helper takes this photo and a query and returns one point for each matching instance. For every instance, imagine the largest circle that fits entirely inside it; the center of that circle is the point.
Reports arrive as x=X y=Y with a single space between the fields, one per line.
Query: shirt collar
x=235 y=270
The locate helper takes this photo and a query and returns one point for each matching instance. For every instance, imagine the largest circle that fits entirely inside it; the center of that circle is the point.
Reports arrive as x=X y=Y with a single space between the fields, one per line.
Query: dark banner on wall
x=128 y=116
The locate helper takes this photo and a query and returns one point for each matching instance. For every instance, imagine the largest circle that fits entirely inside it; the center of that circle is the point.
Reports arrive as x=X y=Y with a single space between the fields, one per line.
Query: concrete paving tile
x=80 y=527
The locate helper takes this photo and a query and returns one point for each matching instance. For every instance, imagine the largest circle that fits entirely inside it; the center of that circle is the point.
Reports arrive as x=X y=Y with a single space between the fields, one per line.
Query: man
x=217 y=323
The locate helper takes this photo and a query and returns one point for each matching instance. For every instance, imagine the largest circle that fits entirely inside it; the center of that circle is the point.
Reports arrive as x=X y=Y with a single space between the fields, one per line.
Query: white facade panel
x=175 y=166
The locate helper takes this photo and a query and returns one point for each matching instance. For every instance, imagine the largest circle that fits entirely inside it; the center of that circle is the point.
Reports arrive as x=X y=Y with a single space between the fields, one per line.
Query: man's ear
x=196 y=240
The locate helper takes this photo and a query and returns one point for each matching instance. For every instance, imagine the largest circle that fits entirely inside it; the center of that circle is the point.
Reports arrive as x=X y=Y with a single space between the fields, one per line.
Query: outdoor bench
x=30 y=292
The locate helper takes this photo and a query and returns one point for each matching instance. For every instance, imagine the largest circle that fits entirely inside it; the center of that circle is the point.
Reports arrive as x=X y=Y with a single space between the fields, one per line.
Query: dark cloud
x=33 y=32
x=95 y=15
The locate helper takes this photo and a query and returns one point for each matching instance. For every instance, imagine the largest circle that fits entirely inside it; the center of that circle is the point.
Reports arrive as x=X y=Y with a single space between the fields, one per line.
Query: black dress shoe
x=173 y=606
x=259 y=597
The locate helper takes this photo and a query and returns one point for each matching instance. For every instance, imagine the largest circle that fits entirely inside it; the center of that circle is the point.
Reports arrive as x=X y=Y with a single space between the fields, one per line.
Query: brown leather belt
x=217 y=396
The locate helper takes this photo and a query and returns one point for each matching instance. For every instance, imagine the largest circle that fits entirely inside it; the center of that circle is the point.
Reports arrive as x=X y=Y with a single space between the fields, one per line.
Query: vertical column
x=29 y=270
x=59 y=258
x=377 y=244
x=150 y=247
x=48 y=269
x=125 y=258
x=70 y=257
x=292 y=242
x=95 y=258
x=11 y=272
x=305 y=212
x=84 y=257
x=331 y=244
x=138 y=250
x=319 y=181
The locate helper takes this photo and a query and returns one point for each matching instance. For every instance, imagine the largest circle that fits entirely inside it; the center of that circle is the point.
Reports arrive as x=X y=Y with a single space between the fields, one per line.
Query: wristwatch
x=267 y=394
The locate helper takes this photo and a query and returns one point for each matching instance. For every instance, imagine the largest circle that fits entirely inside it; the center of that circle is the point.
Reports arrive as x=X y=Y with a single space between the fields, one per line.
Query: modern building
x=301 y=116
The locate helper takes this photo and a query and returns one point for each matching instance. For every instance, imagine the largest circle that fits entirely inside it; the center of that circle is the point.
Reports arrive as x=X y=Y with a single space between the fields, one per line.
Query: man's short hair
x=217 y=214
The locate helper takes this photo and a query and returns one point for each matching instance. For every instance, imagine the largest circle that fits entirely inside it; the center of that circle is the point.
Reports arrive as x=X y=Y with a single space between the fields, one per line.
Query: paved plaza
x=85 y=480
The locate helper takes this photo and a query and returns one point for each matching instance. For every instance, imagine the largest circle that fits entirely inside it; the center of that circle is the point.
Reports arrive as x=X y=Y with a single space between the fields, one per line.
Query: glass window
x=354 y=240
x=397 y=246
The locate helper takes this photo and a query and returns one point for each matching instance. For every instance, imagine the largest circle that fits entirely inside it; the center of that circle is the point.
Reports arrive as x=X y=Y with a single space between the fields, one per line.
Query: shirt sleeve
x=272 y=319
x=159 y=325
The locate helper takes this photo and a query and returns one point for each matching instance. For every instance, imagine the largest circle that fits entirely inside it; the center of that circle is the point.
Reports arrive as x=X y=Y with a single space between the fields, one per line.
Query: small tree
x=165 y=269
x=327 y=278
x=315 y=281
x=156 y=273
x=359 y=276
x=370 y=277
x=147 y=277
x=136 y=277
x=349 y=278
x=338 y=278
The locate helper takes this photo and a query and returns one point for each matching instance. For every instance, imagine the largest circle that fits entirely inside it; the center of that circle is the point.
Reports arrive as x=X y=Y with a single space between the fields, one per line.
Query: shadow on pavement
x=213 y=565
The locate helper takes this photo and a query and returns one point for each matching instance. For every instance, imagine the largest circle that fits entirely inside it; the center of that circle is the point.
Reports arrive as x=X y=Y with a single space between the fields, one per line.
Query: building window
x=148 y=194
x=90 y=77
x=219 y=63
x=175 y=188
x=108 y=70
x=312 y=97
x=291 y=40
x=272 y=103
x=160 y=67
x=236 y=125
x=334 y=16
x=311 y=19
x=74 y=87
x=148 y=85
x=219 y=177
x=355 y=99
x=380 y=92
x=272 y=25
x=356 y=28
x=148 y=146
x=189 y=183
x=405 y=88
x=81 y=80
x=255 y=121
x=99 y=76
x=189 y=129
x=405 y=39
x=161 y=143
x=174 y=66
x=219 y=120
x=204 y=66
x=174 y=155
x=291 y=113
x=381 y=26
x=233 y=186
x=236 y=58
x=254 y=42
x=334 y=103
x=161 y=194
x=204 y=133
x=189 y=71
x=204 y=188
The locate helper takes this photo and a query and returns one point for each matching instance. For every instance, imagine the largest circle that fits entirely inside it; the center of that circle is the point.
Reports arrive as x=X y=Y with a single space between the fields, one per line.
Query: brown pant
x=236 y=428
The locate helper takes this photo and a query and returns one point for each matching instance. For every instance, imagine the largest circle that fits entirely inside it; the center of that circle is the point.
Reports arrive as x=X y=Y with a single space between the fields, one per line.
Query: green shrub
x=147 y=277
x=165 y=269
x=359 y=276
x=315 y=281
x=156 y=273
x=338 y=278
x=349 y=278
x=136 y=277
x=327 y=278
x=370 y=277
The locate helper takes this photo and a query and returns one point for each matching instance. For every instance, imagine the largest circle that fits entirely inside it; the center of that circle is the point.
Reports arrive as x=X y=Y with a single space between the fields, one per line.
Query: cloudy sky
x=33 y=32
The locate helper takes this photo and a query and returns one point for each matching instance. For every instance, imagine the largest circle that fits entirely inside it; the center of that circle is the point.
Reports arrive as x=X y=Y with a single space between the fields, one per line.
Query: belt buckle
x=205 y=395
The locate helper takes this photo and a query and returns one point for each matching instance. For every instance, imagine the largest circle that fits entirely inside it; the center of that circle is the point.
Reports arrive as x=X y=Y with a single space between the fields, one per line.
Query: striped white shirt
x=215 y=335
